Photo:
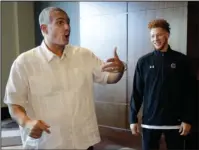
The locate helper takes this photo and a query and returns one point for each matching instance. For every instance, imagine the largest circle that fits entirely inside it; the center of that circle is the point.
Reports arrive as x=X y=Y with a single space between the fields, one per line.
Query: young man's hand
x=184 y=129
x=135 y=129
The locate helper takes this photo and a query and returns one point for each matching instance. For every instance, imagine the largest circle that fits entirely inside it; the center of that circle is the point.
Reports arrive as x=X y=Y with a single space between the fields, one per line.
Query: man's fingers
x=135 y=133
x=180 y=130
x=138 y=130
x=184 y=132
x=115 y=53
x=185 y=128
x=36 y=133
x=44 y=128
x=34 y=136
x=108 y=66
x=135 y=130
x=111 y=60
x=47 y=130
x=45 y=124
x=112 y=70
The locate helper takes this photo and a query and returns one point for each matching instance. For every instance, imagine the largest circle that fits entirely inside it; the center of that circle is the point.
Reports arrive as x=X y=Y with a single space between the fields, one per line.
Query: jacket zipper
x=162 y=67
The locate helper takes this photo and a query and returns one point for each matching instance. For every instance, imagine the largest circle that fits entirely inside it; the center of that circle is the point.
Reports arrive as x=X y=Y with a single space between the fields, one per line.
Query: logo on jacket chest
x=173 y=65
x=151 y=66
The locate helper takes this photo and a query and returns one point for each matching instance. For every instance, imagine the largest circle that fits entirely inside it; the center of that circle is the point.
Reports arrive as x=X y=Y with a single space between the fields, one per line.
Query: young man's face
x=159 y=38
x=58 y=30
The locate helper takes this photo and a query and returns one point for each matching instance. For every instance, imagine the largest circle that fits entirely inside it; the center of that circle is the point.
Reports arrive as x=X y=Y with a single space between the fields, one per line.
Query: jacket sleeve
x=137 y=94
x=188 y=93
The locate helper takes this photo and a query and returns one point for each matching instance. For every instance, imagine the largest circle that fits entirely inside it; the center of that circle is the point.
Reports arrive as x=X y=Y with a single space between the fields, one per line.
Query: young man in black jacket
x=161 y=83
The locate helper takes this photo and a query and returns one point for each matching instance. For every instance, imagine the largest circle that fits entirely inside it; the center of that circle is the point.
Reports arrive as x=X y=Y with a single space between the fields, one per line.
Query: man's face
x=58 y=30
x=159 y=38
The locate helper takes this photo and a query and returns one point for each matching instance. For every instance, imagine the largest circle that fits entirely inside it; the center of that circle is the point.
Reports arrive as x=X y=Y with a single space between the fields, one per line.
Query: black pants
x=91 y=148
x=191 y=142
x=151 y=139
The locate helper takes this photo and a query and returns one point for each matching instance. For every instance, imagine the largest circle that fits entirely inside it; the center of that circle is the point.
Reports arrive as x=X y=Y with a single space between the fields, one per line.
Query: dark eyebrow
x=67 y=19
x=60 y=19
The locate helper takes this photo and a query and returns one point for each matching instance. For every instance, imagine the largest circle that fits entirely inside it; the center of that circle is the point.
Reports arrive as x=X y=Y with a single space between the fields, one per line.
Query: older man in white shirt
x=50 y=87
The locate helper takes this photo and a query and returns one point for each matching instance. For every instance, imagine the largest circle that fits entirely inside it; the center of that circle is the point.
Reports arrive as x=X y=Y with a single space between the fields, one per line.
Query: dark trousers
x=91 y=148
x=191 y=142
x=151 y=139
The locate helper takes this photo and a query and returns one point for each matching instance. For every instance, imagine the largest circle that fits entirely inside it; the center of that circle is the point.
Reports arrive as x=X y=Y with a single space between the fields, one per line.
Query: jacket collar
x=159 y=53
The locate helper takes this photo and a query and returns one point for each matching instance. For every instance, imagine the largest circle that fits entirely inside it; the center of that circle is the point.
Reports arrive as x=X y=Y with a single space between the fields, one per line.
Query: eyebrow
x=60 y=19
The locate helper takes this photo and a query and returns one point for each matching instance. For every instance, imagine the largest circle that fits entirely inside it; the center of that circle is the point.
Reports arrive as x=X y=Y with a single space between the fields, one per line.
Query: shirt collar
x=50 y=55
x=159 y=53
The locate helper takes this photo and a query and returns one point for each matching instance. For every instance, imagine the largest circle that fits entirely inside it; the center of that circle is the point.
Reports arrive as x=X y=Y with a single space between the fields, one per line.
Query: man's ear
x=44 y=28
x=168 y=35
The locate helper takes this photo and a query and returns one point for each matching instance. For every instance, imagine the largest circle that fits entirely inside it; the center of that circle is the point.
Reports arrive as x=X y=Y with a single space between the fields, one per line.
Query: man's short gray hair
x=44 y=16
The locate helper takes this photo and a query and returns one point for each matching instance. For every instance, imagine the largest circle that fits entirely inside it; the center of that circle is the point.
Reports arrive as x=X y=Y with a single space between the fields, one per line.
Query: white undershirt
x=166 y=127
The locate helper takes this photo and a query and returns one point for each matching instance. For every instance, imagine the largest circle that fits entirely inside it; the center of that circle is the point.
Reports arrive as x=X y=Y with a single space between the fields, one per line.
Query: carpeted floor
x=11 y=138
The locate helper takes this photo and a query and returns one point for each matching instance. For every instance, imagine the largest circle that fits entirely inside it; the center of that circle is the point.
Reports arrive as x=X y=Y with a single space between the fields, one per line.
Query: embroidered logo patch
x=151 y=66
x=173 y=65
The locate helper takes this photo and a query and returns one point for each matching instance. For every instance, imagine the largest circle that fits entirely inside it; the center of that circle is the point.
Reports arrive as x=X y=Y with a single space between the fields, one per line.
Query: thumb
x=137 y=129
x=180 y=130
x=45 y=124
x=45 y=127
x=115 y=53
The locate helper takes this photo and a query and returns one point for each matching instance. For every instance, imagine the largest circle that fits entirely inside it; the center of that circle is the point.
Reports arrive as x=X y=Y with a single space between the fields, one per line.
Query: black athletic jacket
x=161 y=82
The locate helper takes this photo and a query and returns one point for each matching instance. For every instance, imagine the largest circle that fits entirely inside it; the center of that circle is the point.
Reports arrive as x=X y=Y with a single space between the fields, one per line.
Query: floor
x=10 y=134
x=107 y=144
x=103 y=145
x=115 y=140
x=12 y=147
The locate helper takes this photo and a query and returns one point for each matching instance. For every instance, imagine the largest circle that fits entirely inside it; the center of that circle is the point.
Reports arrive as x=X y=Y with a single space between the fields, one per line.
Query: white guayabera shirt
x=58 y=91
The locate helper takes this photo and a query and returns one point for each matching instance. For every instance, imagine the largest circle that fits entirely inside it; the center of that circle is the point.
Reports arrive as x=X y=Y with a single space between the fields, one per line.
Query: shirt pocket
x=40 y=85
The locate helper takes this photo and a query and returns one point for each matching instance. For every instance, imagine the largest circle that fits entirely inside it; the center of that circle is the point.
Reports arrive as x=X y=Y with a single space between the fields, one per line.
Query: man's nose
x=155 y=38
x=67 y=26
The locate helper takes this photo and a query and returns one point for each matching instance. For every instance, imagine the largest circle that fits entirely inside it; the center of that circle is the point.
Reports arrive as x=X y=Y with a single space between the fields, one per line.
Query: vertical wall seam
x=127 y=97
x=16 y=24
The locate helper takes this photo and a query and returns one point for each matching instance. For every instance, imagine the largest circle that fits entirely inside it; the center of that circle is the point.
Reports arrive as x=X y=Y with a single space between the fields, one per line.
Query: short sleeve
x=16 y=91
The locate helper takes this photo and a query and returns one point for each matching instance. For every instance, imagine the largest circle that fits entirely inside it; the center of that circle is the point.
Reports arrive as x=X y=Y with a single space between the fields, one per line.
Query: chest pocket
x=40 y=85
